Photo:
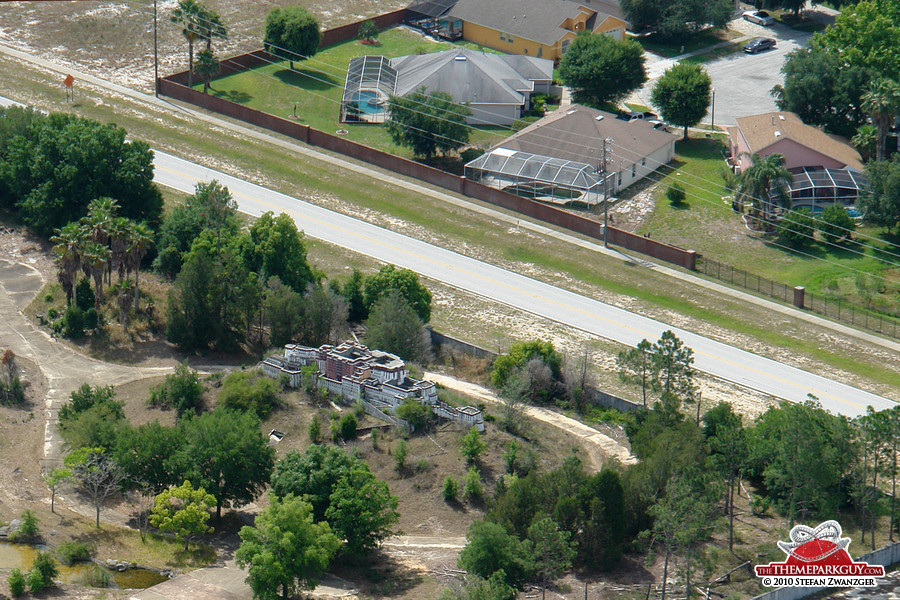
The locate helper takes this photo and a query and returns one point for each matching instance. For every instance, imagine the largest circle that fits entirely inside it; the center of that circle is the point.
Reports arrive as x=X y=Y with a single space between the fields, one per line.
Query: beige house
x=539 y=28
x=784 y=133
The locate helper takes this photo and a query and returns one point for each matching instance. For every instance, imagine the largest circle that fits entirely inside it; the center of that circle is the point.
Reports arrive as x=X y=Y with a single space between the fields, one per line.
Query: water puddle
x=21 y=556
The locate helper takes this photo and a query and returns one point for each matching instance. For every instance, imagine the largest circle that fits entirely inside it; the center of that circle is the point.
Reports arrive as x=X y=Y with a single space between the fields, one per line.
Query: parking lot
x=742 y=81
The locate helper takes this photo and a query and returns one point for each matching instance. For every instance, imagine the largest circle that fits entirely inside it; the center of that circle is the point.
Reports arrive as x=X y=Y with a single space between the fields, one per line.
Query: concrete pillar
x=799 y=296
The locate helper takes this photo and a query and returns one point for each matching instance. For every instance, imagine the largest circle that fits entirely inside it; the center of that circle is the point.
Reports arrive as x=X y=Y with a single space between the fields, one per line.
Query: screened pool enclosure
x=539 y=177
x=370 y=82
x=818 y=187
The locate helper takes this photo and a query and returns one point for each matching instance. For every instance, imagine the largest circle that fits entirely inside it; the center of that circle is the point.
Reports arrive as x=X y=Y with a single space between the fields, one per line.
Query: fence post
x=799 y=296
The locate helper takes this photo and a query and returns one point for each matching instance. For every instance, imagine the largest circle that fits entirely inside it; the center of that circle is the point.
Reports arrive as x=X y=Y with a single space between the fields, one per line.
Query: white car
x=760 y=17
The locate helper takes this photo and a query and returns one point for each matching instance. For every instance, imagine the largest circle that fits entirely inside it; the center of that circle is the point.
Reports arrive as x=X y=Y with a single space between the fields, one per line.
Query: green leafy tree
x=600 y=69
x=206 y=67
x=490 y=549
x=181 y=390
x=284 y=312
x=323 y=317
x=230 y=456
x=362 y=511
x=729 y=453
x=93 y=416
x=797 y=228
x=43 y=571
x=413 y=412
x=276 y=247
x=765 y=179
x=315 y=430
x=472 y=487
x=393 y=327
x=28 y=526
x=836 y=224
x=551 y=550
x=153 y=457
x=182 y=511
x=292 y=33
x=50 y=176
x=352 y=291
x=673 y=373
x=682 y=96
x=881 y=204
x=286 y=550
x=472 y=446
x=313 y=475
x=428 y=123
x=674 y=20
x=389 y=278
x=55 y=479
x=400 y=453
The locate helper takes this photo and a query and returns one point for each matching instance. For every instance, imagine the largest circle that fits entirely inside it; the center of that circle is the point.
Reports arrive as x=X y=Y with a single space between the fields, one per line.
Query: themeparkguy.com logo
x=818 y=558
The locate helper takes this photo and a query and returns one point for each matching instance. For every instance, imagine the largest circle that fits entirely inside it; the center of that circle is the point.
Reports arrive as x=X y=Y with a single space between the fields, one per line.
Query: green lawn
x=697 y=41
x=698 y=168
x=715 y=53
x=312 y=91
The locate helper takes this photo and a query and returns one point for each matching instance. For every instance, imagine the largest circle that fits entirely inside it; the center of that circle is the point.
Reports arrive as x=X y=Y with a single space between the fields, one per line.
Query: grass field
x=312 y=90
x=697 y=41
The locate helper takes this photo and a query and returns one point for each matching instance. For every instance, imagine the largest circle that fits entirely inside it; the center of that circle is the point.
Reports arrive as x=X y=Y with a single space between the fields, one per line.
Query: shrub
x=675 y=194
x=12 y=393
x=315 y=430
x=413 y=412
x=400 y=455
x=422 y=465
x=43 y=570
x=84 y=294
x=472 y=446
x=470 y=154
x=241 y=392
x=473 y=488
x=52 y=313
x=96 y=577
x=70 y=552
x=73 y=322
x=347 y=426
x=450 y=490
x=16 y=582
x=29 y=526
x=181 y=390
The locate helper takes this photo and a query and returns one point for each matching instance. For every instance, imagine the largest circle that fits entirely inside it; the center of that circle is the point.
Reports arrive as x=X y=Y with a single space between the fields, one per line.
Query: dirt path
x=594 y=440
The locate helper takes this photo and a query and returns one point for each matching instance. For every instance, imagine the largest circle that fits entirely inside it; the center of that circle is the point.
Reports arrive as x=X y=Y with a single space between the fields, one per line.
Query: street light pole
x=713 y=109
x=155 y=55
x=605 y=195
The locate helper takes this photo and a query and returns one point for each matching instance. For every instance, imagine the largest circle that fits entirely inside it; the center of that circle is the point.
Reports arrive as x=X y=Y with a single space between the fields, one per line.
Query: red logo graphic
x=818 y=558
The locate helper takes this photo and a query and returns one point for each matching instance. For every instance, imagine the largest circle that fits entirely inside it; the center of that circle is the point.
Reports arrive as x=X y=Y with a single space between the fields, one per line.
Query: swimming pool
x=369 y=102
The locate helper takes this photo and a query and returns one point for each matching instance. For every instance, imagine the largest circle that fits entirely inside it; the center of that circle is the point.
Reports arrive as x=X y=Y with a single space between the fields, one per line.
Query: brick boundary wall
x=175 y=86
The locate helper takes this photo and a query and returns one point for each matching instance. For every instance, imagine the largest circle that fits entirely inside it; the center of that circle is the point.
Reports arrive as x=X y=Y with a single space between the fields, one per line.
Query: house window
x=509 y=38
x=643 y=162
x=502 y=37
x=633 y=170
x=565 y=46
x=540 y=51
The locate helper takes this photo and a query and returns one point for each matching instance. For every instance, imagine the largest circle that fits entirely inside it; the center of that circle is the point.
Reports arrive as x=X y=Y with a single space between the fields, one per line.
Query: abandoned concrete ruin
x=378 y=379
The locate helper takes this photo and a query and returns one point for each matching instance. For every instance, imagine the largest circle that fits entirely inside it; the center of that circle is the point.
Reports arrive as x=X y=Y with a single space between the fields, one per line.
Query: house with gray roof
x=496 y=87
x=560 y=158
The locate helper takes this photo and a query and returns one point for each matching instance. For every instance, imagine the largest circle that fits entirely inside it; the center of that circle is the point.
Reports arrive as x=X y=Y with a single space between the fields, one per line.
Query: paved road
x=718 y=359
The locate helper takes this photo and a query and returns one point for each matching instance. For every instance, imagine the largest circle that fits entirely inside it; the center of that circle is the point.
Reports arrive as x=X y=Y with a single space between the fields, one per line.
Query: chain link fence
x=887 y=324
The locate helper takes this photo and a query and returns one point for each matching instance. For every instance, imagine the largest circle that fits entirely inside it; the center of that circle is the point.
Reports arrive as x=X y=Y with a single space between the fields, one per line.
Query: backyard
x=311 y=92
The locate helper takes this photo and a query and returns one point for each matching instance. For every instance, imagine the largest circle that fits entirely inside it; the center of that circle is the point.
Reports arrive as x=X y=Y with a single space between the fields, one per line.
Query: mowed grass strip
x=311 y=92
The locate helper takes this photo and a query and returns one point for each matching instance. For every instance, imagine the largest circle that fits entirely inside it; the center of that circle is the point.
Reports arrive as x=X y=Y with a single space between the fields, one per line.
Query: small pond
x=21 y=556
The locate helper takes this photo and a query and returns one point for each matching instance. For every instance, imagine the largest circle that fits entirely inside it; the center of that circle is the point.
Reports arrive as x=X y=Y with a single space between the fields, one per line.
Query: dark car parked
x=759 y=44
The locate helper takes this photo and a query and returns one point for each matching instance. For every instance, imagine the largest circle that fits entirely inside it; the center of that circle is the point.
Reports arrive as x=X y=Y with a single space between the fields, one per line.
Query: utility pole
x=605 y=194
x=155 y=55
x=713 y=109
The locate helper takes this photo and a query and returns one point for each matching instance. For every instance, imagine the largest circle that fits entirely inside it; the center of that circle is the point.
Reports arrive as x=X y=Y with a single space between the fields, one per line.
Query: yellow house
x=540 y=28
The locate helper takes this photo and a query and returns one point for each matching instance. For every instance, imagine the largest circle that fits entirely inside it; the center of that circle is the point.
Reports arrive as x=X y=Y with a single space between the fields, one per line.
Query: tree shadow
x=378 y=575
x=308 y=79
x=234 y=96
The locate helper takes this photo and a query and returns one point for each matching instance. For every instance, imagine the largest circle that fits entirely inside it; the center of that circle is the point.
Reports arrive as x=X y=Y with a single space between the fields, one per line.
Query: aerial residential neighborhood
x=449 y=299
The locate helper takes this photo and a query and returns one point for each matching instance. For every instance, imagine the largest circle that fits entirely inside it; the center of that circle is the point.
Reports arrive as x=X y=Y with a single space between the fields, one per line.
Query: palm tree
x=68 y=243
x=98 y=222
x=124 y=300
x=95 y=258
x=766 y=178
x=119 y=241
x=882 y=102
x=188 y=14
x=207 y=66
x=141 y=238
x=210 y=26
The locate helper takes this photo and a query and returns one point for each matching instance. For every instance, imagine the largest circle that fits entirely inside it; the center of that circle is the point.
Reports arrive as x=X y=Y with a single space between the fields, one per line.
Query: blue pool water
x=368 y=102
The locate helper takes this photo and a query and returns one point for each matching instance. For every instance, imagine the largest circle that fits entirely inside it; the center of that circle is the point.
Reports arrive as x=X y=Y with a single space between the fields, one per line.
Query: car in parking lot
x=760 y=17
x=759 y=44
